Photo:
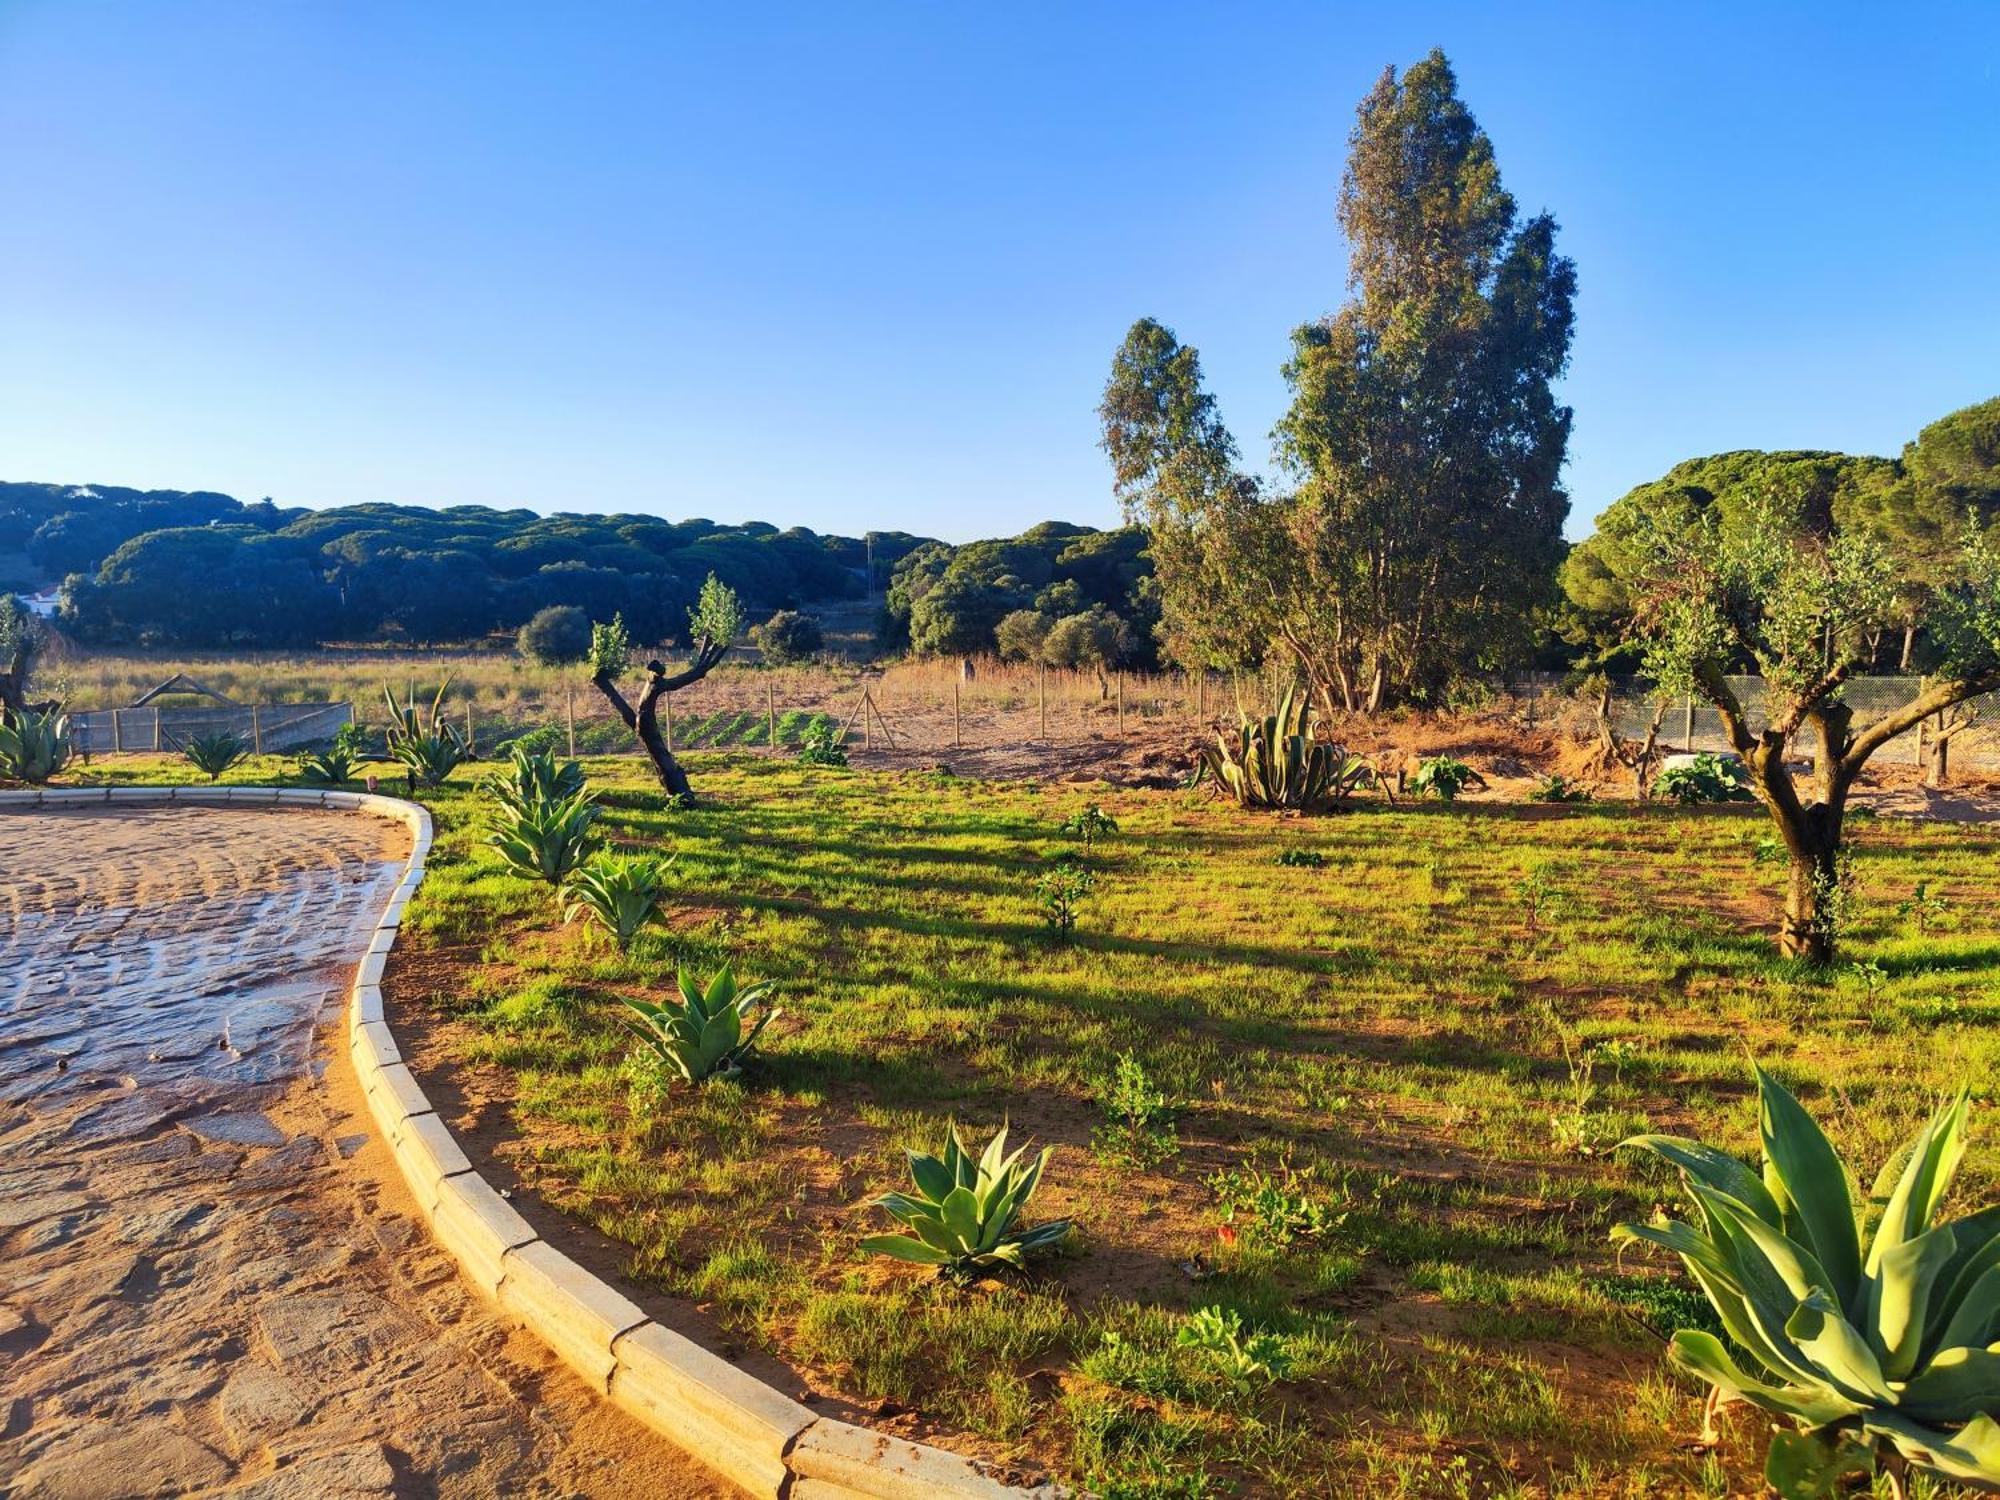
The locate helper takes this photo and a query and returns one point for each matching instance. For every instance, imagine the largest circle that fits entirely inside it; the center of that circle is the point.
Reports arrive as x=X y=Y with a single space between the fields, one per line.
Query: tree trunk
x=1810 y=928
x=645 y=723
x=1909 y=646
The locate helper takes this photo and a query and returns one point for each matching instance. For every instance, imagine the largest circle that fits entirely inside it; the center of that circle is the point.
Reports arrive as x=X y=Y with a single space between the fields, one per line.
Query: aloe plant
x=1878 y=1348
x=964 y=1214
x=622 y=893
x=704 y=1036
x=212 y=754
x=1275 y=762
x=425 y=741
x=34 y=747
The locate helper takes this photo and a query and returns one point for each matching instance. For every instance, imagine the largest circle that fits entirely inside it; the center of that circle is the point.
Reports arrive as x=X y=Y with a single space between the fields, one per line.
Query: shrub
x=425 y=743
x=787 y=637
x=1293 y=857
x=212 y=754
x=1870 y=1350
x=1218 y=1333
x=1708 y=778
x=1138 y=1119
x=622 y=892
x=555 y=636
x=1059 y=891
x=1089 y=825
x=1443 y=777
x=1274 y=762
x=704 y=1035
x=820 y=744
x=964 y=1212
x=34 y=747
x=1559 y=789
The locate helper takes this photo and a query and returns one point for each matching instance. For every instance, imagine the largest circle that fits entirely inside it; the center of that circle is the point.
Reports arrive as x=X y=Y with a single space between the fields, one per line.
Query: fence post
x=770 y=717
x=1042 y=698
x=569 y=713
x=1121 y=705
x=156 y=729
x=471 y=740
x=956 y=742
x=118 y=729
x=1687 y=725
x=257 y=728
x=1200 y=693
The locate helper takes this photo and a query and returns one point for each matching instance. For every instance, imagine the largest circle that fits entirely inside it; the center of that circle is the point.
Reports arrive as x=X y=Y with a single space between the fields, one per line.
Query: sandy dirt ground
x=211 y=1281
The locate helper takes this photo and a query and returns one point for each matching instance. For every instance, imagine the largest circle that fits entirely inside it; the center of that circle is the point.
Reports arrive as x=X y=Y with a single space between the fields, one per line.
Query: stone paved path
x=210 y=1278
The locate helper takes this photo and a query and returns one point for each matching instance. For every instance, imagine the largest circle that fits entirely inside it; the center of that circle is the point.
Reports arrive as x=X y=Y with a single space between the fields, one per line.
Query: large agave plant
x=546 y=840
x=212 y=754
x=425 y=740
x=620 y=891
x=34 y=747
x=534 y=776
x=704 y=1036
x=1878 y=1347
x=964 y=1213
x=1275 y=762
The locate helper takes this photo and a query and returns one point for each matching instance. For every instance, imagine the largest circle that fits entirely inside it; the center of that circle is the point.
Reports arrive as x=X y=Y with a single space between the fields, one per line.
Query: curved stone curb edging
x=753 y=1435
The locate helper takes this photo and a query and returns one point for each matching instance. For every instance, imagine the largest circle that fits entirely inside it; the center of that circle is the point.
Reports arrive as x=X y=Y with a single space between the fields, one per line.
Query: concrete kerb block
x=74 y=796
x=381 y=942
x=137 y=794
x=370 y=972
x=374 y=1049
x=428 y=1155
x=731 y=1420
x=478 y=1227
x=837 y=1459
x=575 y=1314
x=365 y=1005
x=303 y=796
x=394 y=1095
x=253 y=793
x=21 y=797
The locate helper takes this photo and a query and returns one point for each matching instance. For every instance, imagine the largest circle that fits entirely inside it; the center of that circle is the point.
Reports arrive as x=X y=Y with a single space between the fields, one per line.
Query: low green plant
x=1090 y=825
x=212 y=754
x=1138 y=1117
x=1059 y=891
x=1280 y=1208
x=1558 y=788
x=1274 y=762
x=964 y=1215
x=1881 y=1349
x=621 y=892
x=820 y=744
x=710 y=1031
x=546 y=840
x=35 y=747
x=1707 y=778
x=1295 y=857
x=1243 y=1361
x=1444 y=777
x=338 y=762
x=424 y=740
x=1930 y=908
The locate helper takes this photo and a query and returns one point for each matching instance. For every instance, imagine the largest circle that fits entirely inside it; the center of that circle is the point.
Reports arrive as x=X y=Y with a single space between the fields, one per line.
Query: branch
x=1712 y=682
x=1945 y=695
x=602 y=681
x=1811 y=698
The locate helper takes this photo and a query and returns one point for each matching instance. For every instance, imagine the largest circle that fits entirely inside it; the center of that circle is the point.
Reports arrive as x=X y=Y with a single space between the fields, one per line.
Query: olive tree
x=1786 y=590
x=713 y=624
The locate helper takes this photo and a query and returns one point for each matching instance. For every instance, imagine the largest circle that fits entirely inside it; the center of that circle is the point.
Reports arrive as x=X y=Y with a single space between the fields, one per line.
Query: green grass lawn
x=1395 y=1075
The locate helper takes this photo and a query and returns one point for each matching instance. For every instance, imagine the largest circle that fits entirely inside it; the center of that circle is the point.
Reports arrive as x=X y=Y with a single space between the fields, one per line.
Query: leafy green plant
x=338 y=762
x=425 y=741
x=1059 y=892
x=1295 y=857
x=1138 y=1117
x=1880 y=1349
x=965 y=1212
x=710 y=1031
x=1707 y=778
x=548 y=840
x=1557 y=788
x=622 y=892
x=35 y=747
x=1444 y=777
x=1275 y=762
x=610 y=648
x=1090 y=825
x=533 y=775
x=1930 y=908
x=1218 y=1333
x=820 y=744
x=212 y=754
x=1280 y=1208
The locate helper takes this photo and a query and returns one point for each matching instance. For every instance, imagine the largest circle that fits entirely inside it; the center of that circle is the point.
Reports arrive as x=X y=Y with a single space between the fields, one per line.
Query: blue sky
x=864 y=265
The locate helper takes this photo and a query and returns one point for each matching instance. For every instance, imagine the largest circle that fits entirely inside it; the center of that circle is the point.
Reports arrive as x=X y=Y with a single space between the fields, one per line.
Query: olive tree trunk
x=644 y=721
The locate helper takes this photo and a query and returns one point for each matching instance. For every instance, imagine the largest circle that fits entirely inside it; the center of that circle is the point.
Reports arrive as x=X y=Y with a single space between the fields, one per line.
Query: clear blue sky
x=864 y=265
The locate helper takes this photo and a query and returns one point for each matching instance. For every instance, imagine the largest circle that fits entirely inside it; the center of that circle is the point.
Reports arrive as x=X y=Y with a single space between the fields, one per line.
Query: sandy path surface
x=211 y=1280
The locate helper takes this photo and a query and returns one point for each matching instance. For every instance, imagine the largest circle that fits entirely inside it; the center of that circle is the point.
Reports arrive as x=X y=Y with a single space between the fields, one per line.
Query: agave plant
x=1881 y=1347
x=621 y=892
x=425 y=741
x=545 y=840
x=704 y=1036
x=534 y=776
x=212 y=754
x=964 y=1213
x=338 y=762
x=1275 y=762
x=34 y=747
